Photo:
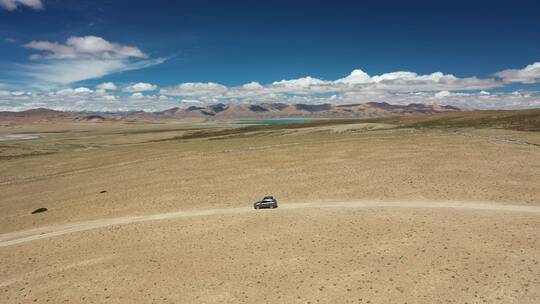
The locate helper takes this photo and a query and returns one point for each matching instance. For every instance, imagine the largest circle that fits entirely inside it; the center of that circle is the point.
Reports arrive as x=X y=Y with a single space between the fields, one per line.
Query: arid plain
x=370 y=212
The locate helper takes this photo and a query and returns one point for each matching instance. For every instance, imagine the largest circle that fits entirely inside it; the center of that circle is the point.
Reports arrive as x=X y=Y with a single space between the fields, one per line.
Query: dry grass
x=521 y=120
x=326 y=255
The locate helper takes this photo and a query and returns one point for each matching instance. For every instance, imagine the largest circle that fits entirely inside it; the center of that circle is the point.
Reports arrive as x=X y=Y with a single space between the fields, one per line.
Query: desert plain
x=373 y=211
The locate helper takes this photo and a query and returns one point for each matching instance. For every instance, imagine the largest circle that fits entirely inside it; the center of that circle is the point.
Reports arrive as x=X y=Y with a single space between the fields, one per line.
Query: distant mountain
x=277 y=110
x=35 y=115
x=41 y=112
x=236 y=111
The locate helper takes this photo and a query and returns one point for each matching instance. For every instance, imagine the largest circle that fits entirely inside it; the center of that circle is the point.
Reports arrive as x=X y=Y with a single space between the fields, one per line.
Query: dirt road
x=24 y=236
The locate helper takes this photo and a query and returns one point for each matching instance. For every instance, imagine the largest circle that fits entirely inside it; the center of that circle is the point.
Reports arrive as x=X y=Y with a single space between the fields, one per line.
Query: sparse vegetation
x=393 y=208
x=522 y=120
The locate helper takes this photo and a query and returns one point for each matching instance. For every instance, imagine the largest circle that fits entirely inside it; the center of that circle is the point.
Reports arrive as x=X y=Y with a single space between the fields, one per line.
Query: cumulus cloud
x=400 y=87
x=107 y=86
x=137 y=95
x=357 y=83
x=140 y=87
x=529 y=74
x=442 y=94
x=11 y=5
x=403 y=81
x=76 y=91
x=303 y=82
x=195 y=89
x=356 y=76
x=83 y=98
x=254 y=85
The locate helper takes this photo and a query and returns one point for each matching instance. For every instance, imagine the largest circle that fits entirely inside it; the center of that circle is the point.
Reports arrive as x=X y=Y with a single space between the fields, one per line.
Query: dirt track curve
x=24 y=236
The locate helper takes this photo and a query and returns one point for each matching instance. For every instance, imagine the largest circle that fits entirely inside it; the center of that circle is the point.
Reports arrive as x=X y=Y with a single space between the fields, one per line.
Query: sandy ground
x=24 y=236
x=366 y=216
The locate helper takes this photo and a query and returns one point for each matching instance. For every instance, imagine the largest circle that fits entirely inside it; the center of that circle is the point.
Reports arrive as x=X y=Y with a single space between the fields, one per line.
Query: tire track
x=20 y=237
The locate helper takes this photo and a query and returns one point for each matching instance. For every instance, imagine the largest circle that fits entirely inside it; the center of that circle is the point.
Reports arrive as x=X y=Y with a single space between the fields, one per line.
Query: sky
x=121 y=55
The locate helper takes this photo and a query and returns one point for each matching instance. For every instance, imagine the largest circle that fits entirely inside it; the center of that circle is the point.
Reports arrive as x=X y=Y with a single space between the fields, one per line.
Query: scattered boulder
x=39 y=210
x=103 y=191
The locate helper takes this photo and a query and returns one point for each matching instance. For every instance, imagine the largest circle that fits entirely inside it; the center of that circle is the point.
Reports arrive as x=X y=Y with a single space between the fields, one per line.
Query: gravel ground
x=356 y=224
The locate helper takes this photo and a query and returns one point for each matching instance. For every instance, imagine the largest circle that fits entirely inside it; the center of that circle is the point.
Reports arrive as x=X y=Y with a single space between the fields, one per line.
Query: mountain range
x=238 y=111
x=278 y=110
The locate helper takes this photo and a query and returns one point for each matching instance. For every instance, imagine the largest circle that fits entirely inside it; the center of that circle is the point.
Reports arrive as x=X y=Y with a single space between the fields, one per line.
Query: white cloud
x=107 y=86
x=80 y=90
x=80 y=58
x=404 y=81
x=400 y=87
x=360 y=77
x=529 y=74
x=471 y=100
x=11 y=5
x=303 y=82
x=69 y=71
x=137 y=95
x=88 y=47
x=358 y=83
x=19 y=93
x=83 y=98
x=356 y=76
x=254 y=85
x=190 y=101
x=442 y=94
x=195 y=89
x=140 y=87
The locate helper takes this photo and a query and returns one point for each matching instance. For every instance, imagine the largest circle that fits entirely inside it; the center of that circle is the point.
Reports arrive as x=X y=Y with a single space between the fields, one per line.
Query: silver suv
x=266 y=202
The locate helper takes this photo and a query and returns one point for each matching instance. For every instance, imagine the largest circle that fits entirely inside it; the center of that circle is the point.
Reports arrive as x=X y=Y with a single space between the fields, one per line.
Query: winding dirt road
x=19 y=237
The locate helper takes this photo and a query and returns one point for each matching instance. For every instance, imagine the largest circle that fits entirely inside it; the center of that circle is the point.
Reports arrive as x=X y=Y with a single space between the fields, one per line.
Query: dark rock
x=103 y=191
x=279 y=106
x=313 y=107
x=208 y=113
x=95 y=117
x=194 y=108
x=39 y=210
x=218 y=107
x=257 y=108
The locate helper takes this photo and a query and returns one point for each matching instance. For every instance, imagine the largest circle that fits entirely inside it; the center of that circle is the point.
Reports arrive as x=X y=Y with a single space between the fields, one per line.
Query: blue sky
x=158 y=54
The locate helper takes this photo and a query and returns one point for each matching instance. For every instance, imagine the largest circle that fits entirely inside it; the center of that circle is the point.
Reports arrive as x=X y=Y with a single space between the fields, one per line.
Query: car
x=266 y=202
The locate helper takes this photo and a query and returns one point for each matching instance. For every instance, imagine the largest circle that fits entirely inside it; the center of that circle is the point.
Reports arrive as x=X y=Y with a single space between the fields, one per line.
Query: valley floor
x=369 y=213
